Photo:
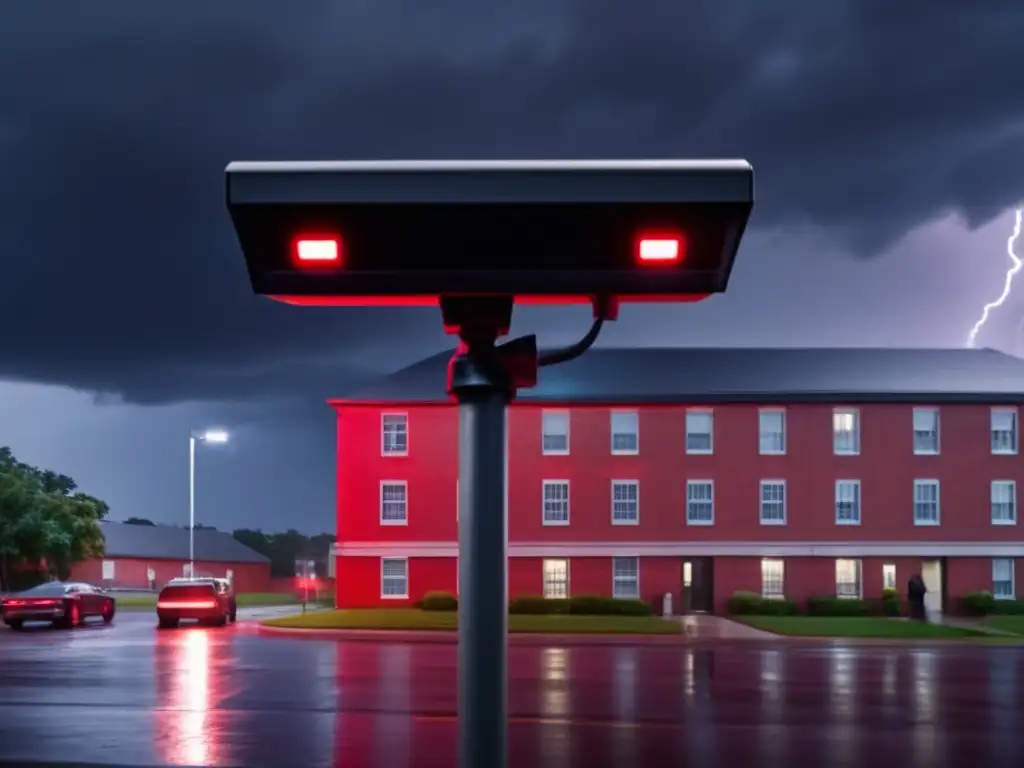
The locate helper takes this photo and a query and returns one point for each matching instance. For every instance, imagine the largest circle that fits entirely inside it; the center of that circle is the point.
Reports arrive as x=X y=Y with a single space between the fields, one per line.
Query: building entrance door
x=698 y=585
x=931 y=573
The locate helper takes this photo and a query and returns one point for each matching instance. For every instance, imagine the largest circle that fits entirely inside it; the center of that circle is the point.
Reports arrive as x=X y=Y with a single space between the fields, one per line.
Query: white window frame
x=859 y=570
x=837 y=500
x=889 y=576
x=545 y=580
x=1012 y=485
x=635 y=416
x=1015 y=431
x=761 y=502
x=761 y=414
x=690 y=484
x=405 y=578
x=928 y=482
x=384 y=417
x=765 y=581
x=838 y=450
x=108 y=569
x=635 y=484
x=710 y=413
x=1012 y=595
x=618 y=580
x=936 y=429
x=404 y=484
x=545 y=484
x=560 y=413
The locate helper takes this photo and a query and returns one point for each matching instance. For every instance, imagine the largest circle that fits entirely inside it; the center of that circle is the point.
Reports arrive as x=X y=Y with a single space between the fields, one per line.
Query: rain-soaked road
x=130 y=695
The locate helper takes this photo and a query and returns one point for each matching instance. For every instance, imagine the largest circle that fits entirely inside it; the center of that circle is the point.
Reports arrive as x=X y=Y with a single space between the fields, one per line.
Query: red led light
x=660 y=250
x=317 y=251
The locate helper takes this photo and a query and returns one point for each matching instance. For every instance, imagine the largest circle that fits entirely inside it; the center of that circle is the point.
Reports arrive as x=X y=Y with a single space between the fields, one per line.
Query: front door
x=698 y=585
x=931 y=573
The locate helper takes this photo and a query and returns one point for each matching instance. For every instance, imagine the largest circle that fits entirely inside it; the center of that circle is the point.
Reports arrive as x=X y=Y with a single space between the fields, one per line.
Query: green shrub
x=837 y=606
x=777 y=607
x=1008 y=607
x=597 y=605
x=538 y=606
x=440 y=601
x=977 y=604
x=752 y=604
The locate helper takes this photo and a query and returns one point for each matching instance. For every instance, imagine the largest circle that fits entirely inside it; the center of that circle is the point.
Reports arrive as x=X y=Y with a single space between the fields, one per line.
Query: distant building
x=146 y=556
x=699 y=472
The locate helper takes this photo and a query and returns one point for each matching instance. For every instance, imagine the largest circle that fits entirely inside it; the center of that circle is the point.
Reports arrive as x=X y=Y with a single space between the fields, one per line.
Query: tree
x=284 y=549
x=138 y=521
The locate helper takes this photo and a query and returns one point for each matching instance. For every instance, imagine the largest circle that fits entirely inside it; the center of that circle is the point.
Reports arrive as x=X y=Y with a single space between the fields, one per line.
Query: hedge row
x=580 y=605
x=984 y=604
x=753 y=604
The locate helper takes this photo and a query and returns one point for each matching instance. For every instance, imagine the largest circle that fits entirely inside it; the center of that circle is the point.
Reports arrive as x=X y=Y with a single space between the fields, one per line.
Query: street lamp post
x=210 y=436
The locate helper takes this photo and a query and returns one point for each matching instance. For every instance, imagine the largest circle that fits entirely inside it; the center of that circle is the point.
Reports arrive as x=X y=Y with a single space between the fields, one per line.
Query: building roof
x=163 y=542
x=737 y=374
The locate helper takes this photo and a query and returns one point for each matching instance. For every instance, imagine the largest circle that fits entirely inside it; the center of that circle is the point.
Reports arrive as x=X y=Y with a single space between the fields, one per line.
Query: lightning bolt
x=1016 y=264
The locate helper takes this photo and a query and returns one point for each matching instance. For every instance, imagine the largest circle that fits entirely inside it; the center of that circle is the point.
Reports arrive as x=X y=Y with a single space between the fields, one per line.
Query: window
x=556 y=579
x=773 y=579
x=555 y=432
x=394 y=434
x=700 y=502
x=626 y=578
x=771 y=427
x=394 y=507
x=926 y=502
x=625 y=432
x=108 y=570
x=848 y=578
x=394 y=578
x=1004 y=502
x=846 y=432
x=625 y=502
x=773 y=502
x=1004 y=430
x=926 y=431
x=556 y=502
x=700 y=427
x=1002 y=579
x=889 y=576
x=847 y=502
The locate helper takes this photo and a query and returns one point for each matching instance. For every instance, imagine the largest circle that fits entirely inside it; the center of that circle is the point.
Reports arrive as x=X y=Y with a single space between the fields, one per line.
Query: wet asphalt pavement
x=130 y=695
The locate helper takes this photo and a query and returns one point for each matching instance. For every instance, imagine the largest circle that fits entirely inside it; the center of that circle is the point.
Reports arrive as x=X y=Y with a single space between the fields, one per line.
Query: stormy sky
x=887 y=140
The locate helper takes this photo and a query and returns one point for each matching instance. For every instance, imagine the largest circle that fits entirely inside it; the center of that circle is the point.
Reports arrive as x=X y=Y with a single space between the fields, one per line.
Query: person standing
x=916 y=590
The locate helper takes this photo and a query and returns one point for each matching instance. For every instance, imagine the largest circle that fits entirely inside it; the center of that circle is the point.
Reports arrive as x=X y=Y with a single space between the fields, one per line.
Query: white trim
x=1013 y=578
x=611 y=507
x=938 y=429
x=380 y=508
x=611 y=426
x=1013 y=501
x=568 y=502
x=1016 y=430
x=929 y=481
x=621 y=581
x=710 y=412
x=554 y=550
x=763 y=412
x=393 y=454
x=760 y=502
x=568 y=431
x=835 y=501
x=856 y=431
x=711 y=484
x=392 y=558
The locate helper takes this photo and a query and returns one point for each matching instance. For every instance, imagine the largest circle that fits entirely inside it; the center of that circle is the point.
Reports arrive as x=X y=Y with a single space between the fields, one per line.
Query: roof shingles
x=162 y=542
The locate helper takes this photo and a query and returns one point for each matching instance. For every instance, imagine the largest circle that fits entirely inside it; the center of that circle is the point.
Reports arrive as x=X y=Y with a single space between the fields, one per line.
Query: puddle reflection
x=183 y=732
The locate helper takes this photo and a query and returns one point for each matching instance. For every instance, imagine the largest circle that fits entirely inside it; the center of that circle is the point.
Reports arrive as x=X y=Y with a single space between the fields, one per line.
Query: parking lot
x=128 y=694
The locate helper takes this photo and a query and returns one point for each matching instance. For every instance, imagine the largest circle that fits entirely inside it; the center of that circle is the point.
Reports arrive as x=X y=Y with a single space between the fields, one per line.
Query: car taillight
x=186 y=604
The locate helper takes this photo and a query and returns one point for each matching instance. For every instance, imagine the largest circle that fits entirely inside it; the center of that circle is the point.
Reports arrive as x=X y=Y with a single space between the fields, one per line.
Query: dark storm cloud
x=121 y=272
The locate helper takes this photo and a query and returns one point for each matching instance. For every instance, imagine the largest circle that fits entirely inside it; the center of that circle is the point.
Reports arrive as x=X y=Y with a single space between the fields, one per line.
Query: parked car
x=208 y=601
x=59 y=603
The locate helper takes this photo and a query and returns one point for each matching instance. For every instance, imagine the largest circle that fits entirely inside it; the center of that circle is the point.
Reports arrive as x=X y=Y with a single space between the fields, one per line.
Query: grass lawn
x=410 y=619
x=856 y=626
x=1013 y=624
x=244 y=599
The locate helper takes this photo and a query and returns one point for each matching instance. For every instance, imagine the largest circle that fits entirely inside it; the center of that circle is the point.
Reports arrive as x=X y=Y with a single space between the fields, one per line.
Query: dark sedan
x=59 y=603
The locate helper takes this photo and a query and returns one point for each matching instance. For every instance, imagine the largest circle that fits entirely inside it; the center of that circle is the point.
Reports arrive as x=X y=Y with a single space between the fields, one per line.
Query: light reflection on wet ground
x=128 y=694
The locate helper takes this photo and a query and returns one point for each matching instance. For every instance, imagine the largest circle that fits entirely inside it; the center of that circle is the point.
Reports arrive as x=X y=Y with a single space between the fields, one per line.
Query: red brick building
x=148 y=556
x=700 y=472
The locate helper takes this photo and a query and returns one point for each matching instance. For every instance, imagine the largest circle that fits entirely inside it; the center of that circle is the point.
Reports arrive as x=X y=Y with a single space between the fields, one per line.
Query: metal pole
x=483 y=556
x=191 y=506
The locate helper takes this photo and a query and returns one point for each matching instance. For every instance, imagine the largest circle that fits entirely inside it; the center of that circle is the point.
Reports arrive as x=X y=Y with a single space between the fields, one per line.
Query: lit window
x=556 y=579
x=771 y=431
x=1004 y=502
x=394 y=429
x=848 y=578
x=889 y=576
x=394 y=578
x=1004 y=430
x=847 y=502
x=625 y=502
x=773 y=502
x=846 y=432
x=926 y=502
x=700 y=502
x=394 y=506
x=700 y=427
x=626 y=578
x=773 y=579
x=555 y=432
x=556 y=502
x=926 y=431
x=625 y=432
